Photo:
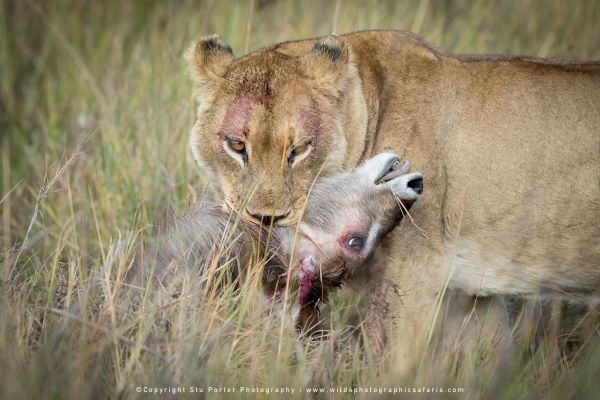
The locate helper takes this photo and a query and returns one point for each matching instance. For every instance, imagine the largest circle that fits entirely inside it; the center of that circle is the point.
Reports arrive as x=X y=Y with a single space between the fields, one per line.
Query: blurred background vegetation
x=95 y=110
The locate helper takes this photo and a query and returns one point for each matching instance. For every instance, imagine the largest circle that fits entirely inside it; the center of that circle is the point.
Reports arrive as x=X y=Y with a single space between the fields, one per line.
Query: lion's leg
x=376 y=313
x=405 y=284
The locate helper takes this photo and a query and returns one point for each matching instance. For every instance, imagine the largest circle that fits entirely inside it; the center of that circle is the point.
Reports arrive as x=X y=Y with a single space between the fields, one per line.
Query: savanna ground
x=95 y=110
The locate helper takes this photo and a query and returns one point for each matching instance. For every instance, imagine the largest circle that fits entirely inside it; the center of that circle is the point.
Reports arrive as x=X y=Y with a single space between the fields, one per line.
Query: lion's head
x=269 y=123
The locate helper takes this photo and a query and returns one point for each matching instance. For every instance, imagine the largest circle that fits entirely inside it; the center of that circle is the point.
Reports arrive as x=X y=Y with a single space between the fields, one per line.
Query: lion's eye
x=297 y=151
x=356 y=243
x=237 y=145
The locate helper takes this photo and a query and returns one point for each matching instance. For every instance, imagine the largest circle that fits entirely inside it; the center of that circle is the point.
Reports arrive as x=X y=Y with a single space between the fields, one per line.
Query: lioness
x=509 y=147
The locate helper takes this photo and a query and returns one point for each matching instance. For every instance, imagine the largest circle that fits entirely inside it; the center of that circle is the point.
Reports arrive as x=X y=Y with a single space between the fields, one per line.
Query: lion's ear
x=328 y=60
x=209 y=59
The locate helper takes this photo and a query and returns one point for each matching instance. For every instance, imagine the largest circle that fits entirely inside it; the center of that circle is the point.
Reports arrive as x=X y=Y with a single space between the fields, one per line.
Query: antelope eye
x=356 y=243
x=237 y=145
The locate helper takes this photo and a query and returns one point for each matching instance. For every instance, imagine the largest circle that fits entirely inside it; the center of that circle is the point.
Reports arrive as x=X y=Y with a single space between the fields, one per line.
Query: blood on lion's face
x=269 y=124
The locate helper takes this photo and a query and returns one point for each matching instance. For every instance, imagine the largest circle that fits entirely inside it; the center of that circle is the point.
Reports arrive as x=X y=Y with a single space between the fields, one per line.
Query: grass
x=95 y=110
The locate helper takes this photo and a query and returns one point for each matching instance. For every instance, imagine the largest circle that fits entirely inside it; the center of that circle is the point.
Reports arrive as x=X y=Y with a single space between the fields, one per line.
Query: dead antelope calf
x=346 y=216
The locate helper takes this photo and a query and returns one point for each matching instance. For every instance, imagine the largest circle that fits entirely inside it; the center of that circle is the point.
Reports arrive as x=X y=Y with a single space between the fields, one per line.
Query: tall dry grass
x=95 y=109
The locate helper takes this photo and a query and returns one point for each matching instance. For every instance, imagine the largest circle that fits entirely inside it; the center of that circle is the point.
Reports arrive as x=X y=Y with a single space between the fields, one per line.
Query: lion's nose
x=267 y=217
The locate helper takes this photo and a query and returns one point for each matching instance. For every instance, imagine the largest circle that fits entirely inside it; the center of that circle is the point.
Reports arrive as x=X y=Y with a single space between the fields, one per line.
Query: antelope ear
x=209 y=59
x=328 y=60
